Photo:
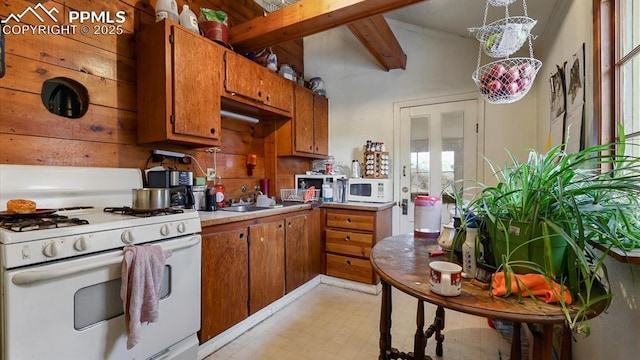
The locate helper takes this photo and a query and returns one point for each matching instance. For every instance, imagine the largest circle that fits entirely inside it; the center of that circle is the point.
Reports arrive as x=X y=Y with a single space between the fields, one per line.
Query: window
x=420 y=170
x=617 y=69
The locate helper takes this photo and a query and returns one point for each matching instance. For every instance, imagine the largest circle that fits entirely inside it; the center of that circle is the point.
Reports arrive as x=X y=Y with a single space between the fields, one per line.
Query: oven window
x=101 y=302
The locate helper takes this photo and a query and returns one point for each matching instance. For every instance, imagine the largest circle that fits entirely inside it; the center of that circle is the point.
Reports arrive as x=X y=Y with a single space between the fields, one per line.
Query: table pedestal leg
x=419 y=340
x=436 y=328
x=516 y=347
x=543 y=343
x=385 y=322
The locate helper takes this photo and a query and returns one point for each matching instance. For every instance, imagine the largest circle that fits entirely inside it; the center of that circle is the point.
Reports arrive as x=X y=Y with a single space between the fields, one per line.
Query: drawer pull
x=348 y=220
x=348 y=262
x=347 y=238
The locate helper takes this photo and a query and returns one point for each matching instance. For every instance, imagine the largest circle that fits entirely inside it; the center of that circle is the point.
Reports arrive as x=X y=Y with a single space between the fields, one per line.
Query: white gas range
x=61 y=270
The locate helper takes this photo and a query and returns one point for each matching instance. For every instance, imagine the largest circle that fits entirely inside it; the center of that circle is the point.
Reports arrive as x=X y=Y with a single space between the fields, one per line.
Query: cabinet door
x=321 y=124
x=250 y=80
x=197 y=68
x=316 y=243
x=266 y=264
x=303 y=121
x=225 y=292
x=297 y=251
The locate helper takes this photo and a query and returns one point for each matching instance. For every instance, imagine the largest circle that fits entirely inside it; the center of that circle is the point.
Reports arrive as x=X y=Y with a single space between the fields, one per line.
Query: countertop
x=219 y=217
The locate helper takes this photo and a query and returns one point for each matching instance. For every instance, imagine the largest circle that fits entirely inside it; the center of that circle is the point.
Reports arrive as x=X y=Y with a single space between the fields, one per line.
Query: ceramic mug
x=445 y=278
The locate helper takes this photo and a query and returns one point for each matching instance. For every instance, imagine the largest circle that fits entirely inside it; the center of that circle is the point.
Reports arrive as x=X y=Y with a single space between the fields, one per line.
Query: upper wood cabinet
x=179 y=77
x=244 y=78
x=308 y=133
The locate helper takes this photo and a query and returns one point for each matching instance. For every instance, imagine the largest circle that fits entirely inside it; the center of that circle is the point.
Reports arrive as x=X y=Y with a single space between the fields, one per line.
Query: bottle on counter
x=189 y=20
x=167 y=9
x=355 y=169
x=219 y=191
x=327 y=192
x=328 y=165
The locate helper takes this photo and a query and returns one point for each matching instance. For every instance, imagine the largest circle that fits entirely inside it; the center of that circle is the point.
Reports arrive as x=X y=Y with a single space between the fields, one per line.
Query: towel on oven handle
x=142 y=273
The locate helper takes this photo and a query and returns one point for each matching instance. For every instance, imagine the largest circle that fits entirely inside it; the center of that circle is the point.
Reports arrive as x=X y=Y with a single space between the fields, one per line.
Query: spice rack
x=376 y=165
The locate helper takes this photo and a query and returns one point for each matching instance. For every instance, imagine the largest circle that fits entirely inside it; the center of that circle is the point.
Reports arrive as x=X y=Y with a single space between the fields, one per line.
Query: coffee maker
x=178 y=182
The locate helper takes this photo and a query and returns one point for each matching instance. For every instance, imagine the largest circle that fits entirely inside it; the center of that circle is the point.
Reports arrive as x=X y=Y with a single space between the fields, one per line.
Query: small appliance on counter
x=180 y=184
x=304 y=181
x=370 y=190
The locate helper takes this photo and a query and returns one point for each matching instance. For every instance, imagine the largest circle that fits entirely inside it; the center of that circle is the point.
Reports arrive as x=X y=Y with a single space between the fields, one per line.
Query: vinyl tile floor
x=329 y=322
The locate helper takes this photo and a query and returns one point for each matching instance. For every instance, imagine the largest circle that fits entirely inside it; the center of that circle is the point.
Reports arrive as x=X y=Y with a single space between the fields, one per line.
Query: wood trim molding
x=376 y=35
x=305 y=18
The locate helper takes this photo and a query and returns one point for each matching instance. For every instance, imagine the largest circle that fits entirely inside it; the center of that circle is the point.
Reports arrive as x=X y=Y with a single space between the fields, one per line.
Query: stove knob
x=182 y=227
x=127 y=237
x=80 y=244
x=164 y=230
x=50 y=250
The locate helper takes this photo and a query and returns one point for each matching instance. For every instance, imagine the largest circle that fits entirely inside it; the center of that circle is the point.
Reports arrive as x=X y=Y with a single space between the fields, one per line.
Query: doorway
x=438 y=144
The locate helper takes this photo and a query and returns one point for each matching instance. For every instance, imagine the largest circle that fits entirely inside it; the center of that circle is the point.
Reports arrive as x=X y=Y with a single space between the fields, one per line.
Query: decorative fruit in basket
x=497 y=71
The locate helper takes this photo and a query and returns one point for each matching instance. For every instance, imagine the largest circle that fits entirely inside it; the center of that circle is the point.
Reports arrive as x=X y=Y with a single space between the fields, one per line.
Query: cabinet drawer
x=349 y=243
x=350 y=220
x=350 y=268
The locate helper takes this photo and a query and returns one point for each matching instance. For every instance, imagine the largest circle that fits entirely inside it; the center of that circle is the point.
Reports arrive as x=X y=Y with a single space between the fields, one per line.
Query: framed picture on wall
x=558 y=106
x=574 y=84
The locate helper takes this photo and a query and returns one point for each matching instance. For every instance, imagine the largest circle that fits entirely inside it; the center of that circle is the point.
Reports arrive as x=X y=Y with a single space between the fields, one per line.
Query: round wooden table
x=402 y=262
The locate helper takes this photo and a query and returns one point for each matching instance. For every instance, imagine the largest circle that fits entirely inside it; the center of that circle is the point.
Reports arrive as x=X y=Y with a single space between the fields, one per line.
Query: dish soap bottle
x=188 y=19
x=167 y=9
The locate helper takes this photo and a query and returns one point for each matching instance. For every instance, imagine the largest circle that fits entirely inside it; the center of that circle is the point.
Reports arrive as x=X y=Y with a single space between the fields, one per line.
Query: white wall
x=362 y=94
x=614 y=335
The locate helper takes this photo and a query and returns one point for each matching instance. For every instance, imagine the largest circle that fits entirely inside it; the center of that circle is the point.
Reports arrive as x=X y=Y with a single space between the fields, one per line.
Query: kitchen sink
x=242 y=208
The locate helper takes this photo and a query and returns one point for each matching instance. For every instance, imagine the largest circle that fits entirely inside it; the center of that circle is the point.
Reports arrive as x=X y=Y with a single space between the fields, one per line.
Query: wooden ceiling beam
x=304 y=18
x=376 y=35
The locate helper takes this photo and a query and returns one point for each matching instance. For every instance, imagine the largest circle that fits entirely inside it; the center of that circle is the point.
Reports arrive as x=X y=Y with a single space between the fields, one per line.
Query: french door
x=438 y=146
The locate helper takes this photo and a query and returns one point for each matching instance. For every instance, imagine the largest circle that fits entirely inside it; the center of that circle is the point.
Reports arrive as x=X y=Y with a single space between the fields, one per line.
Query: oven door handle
x=33 y=276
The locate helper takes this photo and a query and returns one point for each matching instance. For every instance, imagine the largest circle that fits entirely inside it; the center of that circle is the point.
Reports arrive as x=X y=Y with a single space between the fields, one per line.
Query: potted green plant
x=544 y=215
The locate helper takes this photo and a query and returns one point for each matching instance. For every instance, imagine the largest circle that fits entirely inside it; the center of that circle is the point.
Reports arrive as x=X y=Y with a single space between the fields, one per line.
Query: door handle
x=405 y=206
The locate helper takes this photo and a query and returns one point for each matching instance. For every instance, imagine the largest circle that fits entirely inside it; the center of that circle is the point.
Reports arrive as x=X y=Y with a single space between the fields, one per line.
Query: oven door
x=72 y=309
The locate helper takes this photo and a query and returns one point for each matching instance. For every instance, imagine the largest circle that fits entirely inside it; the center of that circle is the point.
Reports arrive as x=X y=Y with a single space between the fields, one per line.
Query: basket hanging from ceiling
x=509 y=79
x=501 y=2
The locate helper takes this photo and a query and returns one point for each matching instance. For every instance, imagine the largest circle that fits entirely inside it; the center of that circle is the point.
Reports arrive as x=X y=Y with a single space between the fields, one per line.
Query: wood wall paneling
x=105 y=64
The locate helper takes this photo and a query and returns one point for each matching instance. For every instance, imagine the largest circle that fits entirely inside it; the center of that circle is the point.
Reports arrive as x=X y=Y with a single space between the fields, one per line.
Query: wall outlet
x=211 y=174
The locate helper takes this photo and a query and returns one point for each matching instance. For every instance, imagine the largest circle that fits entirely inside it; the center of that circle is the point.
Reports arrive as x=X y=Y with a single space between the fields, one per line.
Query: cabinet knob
x=349 y=221
x=347 y=238
x=212 y=130
x=259 y=94
x=268 y=98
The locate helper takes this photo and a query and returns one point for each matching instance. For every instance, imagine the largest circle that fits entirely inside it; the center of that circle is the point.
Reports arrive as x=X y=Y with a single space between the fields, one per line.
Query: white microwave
x=371 y=190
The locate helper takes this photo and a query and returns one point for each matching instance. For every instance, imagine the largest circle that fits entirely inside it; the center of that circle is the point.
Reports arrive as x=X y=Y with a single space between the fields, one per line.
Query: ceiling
x=456 y=16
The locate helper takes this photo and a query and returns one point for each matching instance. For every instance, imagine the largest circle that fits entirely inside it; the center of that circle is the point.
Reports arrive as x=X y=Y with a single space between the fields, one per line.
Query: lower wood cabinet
x=225 y=287
x=250 y=264
x=266 y=264
x=350 y=234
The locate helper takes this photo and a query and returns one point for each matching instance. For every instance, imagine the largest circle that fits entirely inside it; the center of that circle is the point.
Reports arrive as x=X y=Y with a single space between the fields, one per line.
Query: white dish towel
x=142 y=273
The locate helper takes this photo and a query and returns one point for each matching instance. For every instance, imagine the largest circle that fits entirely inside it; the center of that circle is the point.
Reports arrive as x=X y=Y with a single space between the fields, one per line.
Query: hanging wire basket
x=501 y=2
x=504 y=37
x=507 y=80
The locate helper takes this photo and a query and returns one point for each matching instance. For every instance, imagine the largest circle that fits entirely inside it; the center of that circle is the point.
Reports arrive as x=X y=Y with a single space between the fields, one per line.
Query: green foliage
x=587 y=197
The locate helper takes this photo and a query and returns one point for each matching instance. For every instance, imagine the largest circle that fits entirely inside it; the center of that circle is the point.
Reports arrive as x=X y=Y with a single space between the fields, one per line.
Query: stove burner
x=41 y=222
x=125 y=210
